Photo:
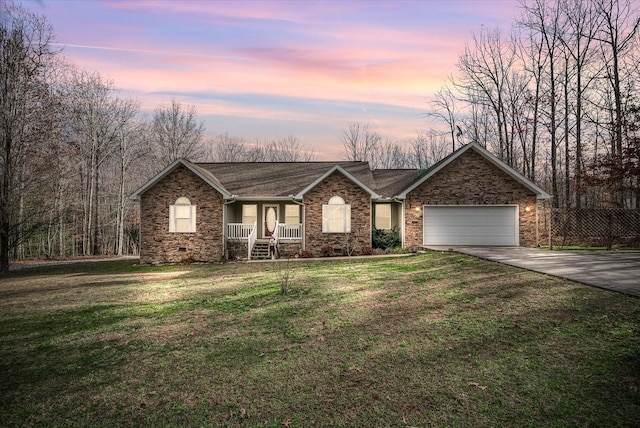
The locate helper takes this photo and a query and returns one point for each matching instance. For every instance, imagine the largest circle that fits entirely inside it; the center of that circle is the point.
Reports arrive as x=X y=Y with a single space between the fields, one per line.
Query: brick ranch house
x=205 y=211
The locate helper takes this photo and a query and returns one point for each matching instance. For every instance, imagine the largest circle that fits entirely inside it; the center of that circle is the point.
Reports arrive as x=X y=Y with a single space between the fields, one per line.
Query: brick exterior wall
x=470 y=180
x=337 y=185
x=157 y=244
x=289 y=249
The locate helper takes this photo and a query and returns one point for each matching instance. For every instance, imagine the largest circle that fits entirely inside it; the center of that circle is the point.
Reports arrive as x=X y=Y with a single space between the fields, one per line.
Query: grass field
x=437 y=339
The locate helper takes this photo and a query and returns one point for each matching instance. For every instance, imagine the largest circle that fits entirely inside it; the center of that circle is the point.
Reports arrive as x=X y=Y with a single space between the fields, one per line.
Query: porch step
x=260 y=250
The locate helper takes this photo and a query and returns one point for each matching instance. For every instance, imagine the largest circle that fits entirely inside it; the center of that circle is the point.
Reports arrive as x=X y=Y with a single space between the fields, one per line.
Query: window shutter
x=193 y=218
x=325 y=218
x=347 y=218
x=172 y=218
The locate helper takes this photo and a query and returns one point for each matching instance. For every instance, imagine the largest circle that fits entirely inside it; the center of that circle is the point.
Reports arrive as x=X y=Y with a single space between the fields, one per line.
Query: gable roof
x=202 y=173
x=287 y=180
x=430 y=172
x=284 y=179
x=345 y=173
x=391 y=182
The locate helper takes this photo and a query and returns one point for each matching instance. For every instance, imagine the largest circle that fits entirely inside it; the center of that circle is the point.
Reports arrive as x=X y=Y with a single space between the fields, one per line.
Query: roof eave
x=159 y=176
x=264 y=198
x=347 y=174
x=540 y=193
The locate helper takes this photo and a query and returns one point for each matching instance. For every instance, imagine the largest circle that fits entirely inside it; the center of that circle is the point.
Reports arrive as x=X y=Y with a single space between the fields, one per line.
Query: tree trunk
x=554 y=144
x=121 y=206
x=95 y=231
x=567 y=130
x=5 y=207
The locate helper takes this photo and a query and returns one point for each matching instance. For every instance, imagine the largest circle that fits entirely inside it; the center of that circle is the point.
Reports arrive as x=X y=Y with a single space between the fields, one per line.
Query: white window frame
x=249 y=218
x=380 y=217
x=180 y=211
x=289 y=217
x=336 y=216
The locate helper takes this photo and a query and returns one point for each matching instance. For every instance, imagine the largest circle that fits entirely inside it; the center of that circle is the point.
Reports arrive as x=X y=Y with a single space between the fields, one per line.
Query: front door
x=270 y=216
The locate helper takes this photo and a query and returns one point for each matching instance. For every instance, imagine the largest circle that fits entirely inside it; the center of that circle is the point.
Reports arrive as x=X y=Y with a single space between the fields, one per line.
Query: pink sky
x=266 y=69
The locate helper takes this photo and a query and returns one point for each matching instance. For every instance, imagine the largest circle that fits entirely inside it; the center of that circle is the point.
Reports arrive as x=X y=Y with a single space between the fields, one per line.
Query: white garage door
x=471 y=225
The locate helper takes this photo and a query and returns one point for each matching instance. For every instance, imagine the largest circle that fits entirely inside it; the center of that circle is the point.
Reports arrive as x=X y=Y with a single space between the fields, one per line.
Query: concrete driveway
x=611 y=270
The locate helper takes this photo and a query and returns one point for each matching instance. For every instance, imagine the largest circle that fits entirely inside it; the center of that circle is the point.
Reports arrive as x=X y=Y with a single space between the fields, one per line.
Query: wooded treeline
x=556 y=98
x=74 y=148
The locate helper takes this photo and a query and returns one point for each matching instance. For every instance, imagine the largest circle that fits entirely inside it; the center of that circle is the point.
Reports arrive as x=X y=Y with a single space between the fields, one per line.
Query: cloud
x=259 y=66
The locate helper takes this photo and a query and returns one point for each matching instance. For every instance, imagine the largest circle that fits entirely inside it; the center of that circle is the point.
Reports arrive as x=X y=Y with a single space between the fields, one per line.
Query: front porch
x=254 y=247
x=252 y=223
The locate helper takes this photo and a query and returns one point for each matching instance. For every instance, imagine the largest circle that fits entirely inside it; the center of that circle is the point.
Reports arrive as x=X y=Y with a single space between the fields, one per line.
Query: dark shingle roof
x=390 y=182
x=273 y=179
x=283 y=179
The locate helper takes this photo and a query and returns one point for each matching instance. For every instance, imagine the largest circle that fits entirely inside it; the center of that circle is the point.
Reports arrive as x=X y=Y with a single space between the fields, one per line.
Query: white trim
x=159 y=176
x=298 y=219
x=172 y=218
x=514 y=233
x=403 y=222
x=264 y=217
x=303 y=214
x=346 y=216
x=263 y=198
x=243 y=218
x=540 y=194
x=375 y=215
x=344 y=172
x=173 y=212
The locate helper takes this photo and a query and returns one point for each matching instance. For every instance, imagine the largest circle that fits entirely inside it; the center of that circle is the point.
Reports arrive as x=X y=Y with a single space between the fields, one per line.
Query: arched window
x=182 y=216
x=336 y=216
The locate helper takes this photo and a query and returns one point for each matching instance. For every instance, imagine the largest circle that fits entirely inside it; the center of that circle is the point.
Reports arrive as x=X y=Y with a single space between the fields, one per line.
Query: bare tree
x=229 y=149
x=25 y=56
x=290 y=149
x=530 y=50
x=484 y=68
x=478 y=123
x=176 y=133
x=360 y=143
x=545 y=20
x=617 y=39
x=236 y=149
x=131 y=148
x=95 y=121
x=428 y=149
x=444 y=107
x=583 y=24
x=392 y=155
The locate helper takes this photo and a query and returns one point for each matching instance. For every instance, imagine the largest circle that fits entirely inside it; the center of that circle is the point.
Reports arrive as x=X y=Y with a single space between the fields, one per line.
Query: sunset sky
x=269 y=69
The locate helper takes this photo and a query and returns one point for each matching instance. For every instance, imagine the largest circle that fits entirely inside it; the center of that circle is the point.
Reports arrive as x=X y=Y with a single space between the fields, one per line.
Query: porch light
x=527 y=209
x=417 y=209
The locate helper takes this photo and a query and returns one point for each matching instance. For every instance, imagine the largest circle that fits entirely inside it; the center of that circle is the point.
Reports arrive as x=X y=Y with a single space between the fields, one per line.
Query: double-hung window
x=383 y=216
x=292 y=214
x=182 y=216
x=249 y=214
x=336 y=216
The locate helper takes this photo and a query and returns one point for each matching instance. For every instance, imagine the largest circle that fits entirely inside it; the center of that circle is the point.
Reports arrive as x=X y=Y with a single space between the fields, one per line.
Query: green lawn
x=437 y=339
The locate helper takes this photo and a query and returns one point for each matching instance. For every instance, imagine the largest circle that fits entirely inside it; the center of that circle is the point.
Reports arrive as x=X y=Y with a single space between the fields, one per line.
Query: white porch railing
x=276 y=232
x=239 y=230
x=249 y=232
x=252 y=240
x=242 y=231
x=289 y=231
